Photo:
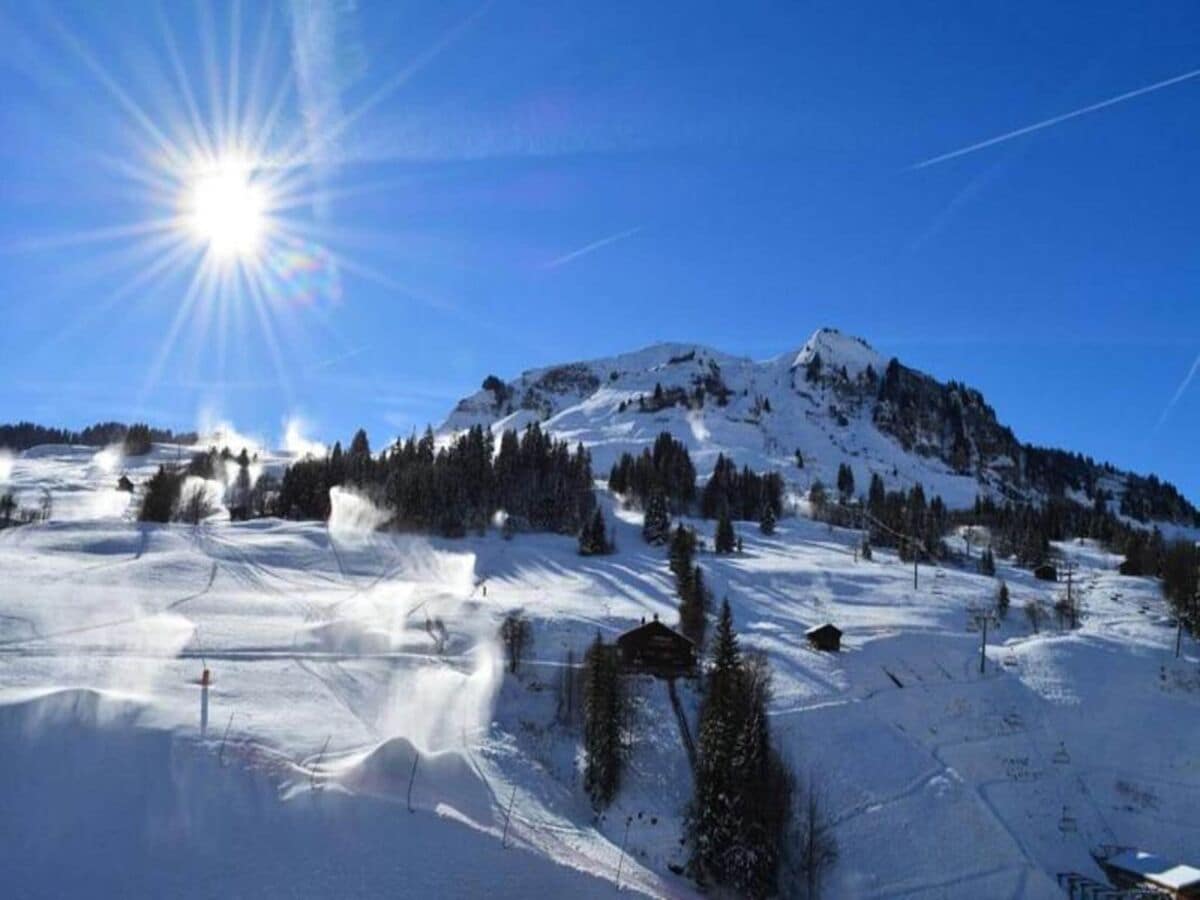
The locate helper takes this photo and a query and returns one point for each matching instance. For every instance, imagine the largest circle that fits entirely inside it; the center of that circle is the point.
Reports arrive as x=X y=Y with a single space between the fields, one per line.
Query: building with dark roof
x=655 y=649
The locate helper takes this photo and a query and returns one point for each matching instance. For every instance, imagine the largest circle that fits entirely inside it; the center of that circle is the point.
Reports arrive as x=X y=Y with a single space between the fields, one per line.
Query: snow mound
x=445 y=782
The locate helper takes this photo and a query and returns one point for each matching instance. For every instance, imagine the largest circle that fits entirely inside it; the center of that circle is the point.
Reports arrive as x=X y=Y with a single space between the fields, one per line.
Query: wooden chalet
x=654 y=649
x=827 y=637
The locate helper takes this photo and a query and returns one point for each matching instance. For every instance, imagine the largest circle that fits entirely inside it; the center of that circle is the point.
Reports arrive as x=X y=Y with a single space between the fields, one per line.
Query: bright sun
x=227 y=210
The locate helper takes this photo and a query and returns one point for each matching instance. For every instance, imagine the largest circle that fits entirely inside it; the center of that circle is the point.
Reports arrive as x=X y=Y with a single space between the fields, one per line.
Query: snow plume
x=109 y=459
x=295 y=443
x=211 y=490
x=438 y=706
x=6 y=466
x=448 y=667
x=352 y=515
x=215 y=432
x=443 y=698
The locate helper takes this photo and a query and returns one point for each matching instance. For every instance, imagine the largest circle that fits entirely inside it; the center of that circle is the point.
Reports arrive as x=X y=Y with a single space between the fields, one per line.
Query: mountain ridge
x=835 y=400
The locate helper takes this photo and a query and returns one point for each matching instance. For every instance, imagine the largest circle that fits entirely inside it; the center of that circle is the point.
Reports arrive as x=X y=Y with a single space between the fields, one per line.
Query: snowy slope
x=825 y=400
x=943 y=782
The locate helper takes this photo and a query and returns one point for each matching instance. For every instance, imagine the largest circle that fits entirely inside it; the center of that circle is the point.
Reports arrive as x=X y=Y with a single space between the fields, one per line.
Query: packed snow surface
x=355 y=675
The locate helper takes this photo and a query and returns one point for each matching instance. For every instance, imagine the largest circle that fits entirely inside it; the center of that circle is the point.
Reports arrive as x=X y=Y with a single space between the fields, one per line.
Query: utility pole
x=858 y=523
x=1070 y=598
x=1180 y=615
x=412 y=777
x=981 y=619
x=1072 y=610
x=508 y=817
x=621 y=859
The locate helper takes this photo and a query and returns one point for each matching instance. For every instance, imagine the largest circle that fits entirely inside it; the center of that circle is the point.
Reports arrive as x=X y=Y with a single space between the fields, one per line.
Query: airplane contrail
x=1179 y=392
x=594 y=245
x=1046 y=123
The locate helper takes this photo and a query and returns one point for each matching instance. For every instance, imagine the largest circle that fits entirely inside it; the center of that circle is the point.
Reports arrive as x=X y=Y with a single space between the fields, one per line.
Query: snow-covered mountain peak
x=838 y=350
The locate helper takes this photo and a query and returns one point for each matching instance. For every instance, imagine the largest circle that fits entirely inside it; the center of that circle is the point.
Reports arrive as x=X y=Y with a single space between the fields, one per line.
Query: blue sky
x=486 y=188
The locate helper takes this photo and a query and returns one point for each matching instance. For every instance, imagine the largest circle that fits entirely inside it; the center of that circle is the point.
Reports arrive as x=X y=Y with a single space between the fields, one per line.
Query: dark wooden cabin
x=655 y=649
x=827 y=637
x=1046 y=572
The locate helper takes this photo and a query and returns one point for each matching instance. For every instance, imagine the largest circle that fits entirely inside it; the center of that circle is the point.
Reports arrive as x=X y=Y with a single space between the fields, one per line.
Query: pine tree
x=603 y=727
x=766 y=522
x=710 y=827
x=162 y=495
x=725 y=540
x=876 y=496
x=845 y=482
x=693 y=607
x=656 y=524
x=987 y=562
x=1180 y=585
x=681 y=554
x=817 y=497
x=516 y=634
x=740 y=811
x=593 y=539
x=1002 y=600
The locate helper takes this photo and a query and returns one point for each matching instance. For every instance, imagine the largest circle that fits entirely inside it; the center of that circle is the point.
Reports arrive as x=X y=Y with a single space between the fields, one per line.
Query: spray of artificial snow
x=295 y=443
x=109 y=459
x=351 y=515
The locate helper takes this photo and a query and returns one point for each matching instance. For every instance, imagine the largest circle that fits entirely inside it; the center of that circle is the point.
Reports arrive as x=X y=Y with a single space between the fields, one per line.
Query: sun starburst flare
x=227 y=209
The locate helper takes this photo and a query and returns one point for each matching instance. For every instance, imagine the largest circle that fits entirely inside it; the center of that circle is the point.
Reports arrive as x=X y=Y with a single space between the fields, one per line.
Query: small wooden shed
x=1046 y=572
x=827 y=637
x=655 y=649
